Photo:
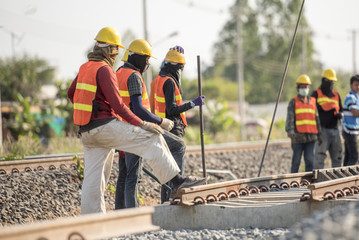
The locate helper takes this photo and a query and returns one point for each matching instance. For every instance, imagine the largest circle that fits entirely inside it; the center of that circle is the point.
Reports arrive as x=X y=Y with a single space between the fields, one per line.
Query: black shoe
x=190 y=182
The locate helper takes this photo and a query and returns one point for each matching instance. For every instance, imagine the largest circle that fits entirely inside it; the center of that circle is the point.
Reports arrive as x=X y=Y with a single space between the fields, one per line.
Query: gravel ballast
x=41 y=195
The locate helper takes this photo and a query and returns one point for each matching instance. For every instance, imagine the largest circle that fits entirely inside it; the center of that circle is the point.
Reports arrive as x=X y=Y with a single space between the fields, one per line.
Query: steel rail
x=240 y=187
x=334 y=189
x=51 y=162
x=38 y=163
x=92 y=226
x=322 y=184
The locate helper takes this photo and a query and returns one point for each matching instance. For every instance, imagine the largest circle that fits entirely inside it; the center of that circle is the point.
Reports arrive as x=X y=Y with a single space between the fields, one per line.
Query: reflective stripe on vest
x=122 y=77
x=159 y=100
x=305 y=116
x=85 y=92
x=327 y=103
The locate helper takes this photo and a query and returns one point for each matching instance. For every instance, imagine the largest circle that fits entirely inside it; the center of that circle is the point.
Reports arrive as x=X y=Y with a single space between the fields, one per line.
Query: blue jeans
x=178 y=150
x=331 y=142
x=128 y=176
x=351 y=149
x=298 y=149
x=127 y=187
x=120 y=187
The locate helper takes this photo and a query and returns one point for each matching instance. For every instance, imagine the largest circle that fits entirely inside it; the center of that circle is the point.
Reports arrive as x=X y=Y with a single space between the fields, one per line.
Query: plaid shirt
x=134 y=82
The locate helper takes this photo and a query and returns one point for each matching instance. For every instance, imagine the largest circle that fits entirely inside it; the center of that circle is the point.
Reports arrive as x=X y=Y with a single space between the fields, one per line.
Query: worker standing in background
x=166 y=97
x=302 y=125
x=351 y=123
x=167 y=92
x=97 y=103
x=330 y=114
x=134 y=94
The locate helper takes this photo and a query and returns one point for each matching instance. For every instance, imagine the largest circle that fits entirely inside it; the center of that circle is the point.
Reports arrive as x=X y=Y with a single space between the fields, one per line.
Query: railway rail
x=318 y=185
x=93 y=226
x=51 y=162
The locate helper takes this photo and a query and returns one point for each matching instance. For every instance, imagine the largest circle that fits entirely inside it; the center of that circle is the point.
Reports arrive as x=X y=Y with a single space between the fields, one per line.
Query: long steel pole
x=201 y=116
x=281 y=85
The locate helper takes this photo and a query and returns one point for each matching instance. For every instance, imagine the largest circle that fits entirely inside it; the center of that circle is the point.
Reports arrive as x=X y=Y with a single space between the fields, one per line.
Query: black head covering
x=139 y=61
x=174 y=71
x=327 y=87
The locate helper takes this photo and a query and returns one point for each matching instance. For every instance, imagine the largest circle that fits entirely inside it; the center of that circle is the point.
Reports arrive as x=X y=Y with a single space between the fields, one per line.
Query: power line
x=200 y=7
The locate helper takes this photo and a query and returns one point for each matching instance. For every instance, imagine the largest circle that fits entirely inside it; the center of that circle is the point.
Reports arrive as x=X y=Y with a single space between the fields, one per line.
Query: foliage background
x=268 y=27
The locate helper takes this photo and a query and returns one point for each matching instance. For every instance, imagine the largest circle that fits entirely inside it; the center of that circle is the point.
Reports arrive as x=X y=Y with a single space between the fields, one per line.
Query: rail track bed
x=265 y=202
x=63 y=161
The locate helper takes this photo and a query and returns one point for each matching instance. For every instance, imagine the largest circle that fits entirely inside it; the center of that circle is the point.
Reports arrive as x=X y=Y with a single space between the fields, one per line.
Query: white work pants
x=99 y=148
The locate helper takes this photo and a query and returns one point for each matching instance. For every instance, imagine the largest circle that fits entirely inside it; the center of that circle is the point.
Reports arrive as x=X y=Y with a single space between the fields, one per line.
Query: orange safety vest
x=328 y=103
x=305 y=116
x=85 y=92
x=152 y=96
x=122 y=77
x=159 y=107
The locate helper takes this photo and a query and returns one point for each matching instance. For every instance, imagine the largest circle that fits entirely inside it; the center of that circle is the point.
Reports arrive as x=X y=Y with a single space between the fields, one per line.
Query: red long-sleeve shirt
x=108 y=97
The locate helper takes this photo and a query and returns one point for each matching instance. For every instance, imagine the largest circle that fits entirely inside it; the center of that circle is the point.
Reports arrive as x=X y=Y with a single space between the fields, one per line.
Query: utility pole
x=241 y=100
x=148 y=73
x=354 y=51
x=304 y=50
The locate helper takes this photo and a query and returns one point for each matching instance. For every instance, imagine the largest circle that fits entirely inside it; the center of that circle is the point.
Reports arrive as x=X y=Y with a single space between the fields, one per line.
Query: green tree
x=23 y=76
x=267 y=30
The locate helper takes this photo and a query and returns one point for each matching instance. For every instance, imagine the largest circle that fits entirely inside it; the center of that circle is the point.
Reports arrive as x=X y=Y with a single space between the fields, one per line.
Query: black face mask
x=174 y=70
x=327 y=87
x=139 y=61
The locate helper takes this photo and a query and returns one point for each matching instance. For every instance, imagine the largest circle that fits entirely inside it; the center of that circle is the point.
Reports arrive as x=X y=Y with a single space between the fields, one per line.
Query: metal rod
x=201 y=116
x=281 y=85
x=156 y=179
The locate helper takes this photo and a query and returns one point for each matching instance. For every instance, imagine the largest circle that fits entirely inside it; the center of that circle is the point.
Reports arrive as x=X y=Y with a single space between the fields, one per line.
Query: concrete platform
x=265 y=210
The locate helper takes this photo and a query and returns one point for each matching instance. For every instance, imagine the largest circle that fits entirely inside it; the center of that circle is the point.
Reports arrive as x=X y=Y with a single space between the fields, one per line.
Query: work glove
x=151 y=127
x=198 y=101
x=339 y=116
x=167 y=124
x=178 y=49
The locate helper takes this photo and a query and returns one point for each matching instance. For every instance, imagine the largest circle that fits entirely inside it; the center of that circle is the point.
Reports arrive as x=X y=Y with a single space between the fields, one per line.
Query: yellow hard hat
x=109 y=35
x=330 y=75
x=175 y=57
x=125 y=56
x=140 y=46
x=303 y=79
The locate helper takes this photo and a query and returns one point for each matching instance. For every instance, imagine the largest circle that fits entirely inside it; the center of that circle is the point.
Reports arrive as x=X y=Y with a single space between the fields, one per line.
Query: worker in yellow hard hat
x=166 y=97
x=302 y=125
x=97 y=106
x=134 y=94
x=330 y=114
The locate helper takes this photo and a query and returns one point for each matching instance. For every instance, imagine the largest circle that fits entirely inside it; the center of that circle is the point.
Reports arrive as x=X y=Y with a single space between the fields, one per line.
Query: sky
x=62 y=32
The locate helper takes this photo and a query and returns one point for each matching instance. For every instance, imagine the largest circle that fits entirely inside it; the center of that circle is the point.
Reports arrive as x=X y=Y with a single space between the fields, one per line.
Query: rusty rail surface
x=51 y=162
x=39 y=163
x=324 y=184
x=241 y=187
x=333 y=189
x=92 y=226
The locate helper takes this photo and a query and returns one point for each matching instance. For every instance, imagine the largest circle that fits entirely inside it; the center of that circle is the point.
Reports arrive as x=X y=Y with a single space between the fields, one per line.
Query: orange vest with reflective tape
x=305 y=116
x=159 y=100
x=122 y=77
x=328 y=103
x=85 y=92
